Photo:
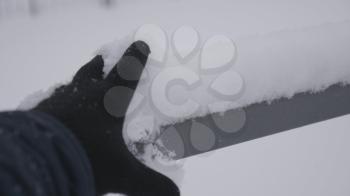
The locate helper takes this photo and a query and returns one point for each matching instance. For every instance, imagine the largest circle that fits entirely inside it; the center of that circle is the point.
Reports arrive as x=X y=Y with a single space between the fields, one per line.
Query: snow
x=60 y=42
x=311 y=160
x=277 y=49
x=267 y=67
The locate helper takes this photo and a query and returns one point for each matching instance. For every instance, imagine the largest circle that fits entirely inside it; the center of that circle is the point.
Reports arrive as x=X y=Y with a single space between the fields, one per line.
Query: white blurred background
x=43 y=42
x=12 y=8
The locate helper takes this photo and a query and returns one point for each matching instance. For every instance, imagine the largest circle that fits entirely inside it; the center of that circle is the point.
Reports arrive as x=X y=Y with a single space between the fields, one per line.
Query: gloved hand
x=80 y=107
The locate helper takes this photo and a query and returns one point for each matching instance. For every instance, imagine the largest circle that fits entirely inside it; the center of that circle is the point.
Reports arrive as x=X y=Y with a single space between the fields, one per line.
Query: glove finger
x=92 y=70
x=128 y=70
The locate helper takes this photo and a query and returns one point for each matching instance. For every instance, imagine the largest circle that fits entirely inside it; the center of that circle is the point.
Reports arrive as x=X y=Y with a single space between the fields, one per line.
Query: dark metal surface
x=263 y=119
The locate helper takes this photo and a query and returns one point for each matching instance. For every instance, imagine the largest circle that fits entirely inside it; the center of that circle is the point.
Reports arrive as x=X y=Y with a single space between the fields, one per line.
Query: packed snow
x=273 y=65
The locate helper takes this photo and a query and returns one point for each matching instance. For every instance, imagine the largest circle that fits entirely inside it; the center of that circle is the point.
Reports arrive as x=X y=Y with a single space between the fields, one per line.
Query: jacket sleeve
x=39 y=156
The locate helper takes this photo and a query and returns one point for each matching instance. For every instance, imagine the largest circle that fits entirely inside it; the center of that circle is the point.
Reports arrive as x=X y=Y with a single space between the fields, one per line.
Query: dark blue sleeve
x=40 y=157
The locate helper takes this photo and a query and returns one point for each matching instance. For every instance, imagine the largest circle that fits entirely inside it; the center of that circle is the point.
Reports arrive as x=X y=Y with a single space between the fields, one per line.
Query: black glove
x=80 y=106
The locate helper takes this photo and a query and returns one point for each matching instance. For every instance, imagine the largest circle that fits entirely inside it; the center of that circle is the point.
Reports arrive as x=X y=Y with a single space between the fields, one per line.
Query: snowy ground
x=39 y=52
x=312 y=160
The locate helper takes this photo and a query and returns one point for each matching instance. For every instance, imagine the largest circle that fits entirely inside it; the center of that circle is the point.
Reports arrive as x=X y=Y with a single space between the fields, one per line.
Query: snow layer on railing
x=269 y=66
